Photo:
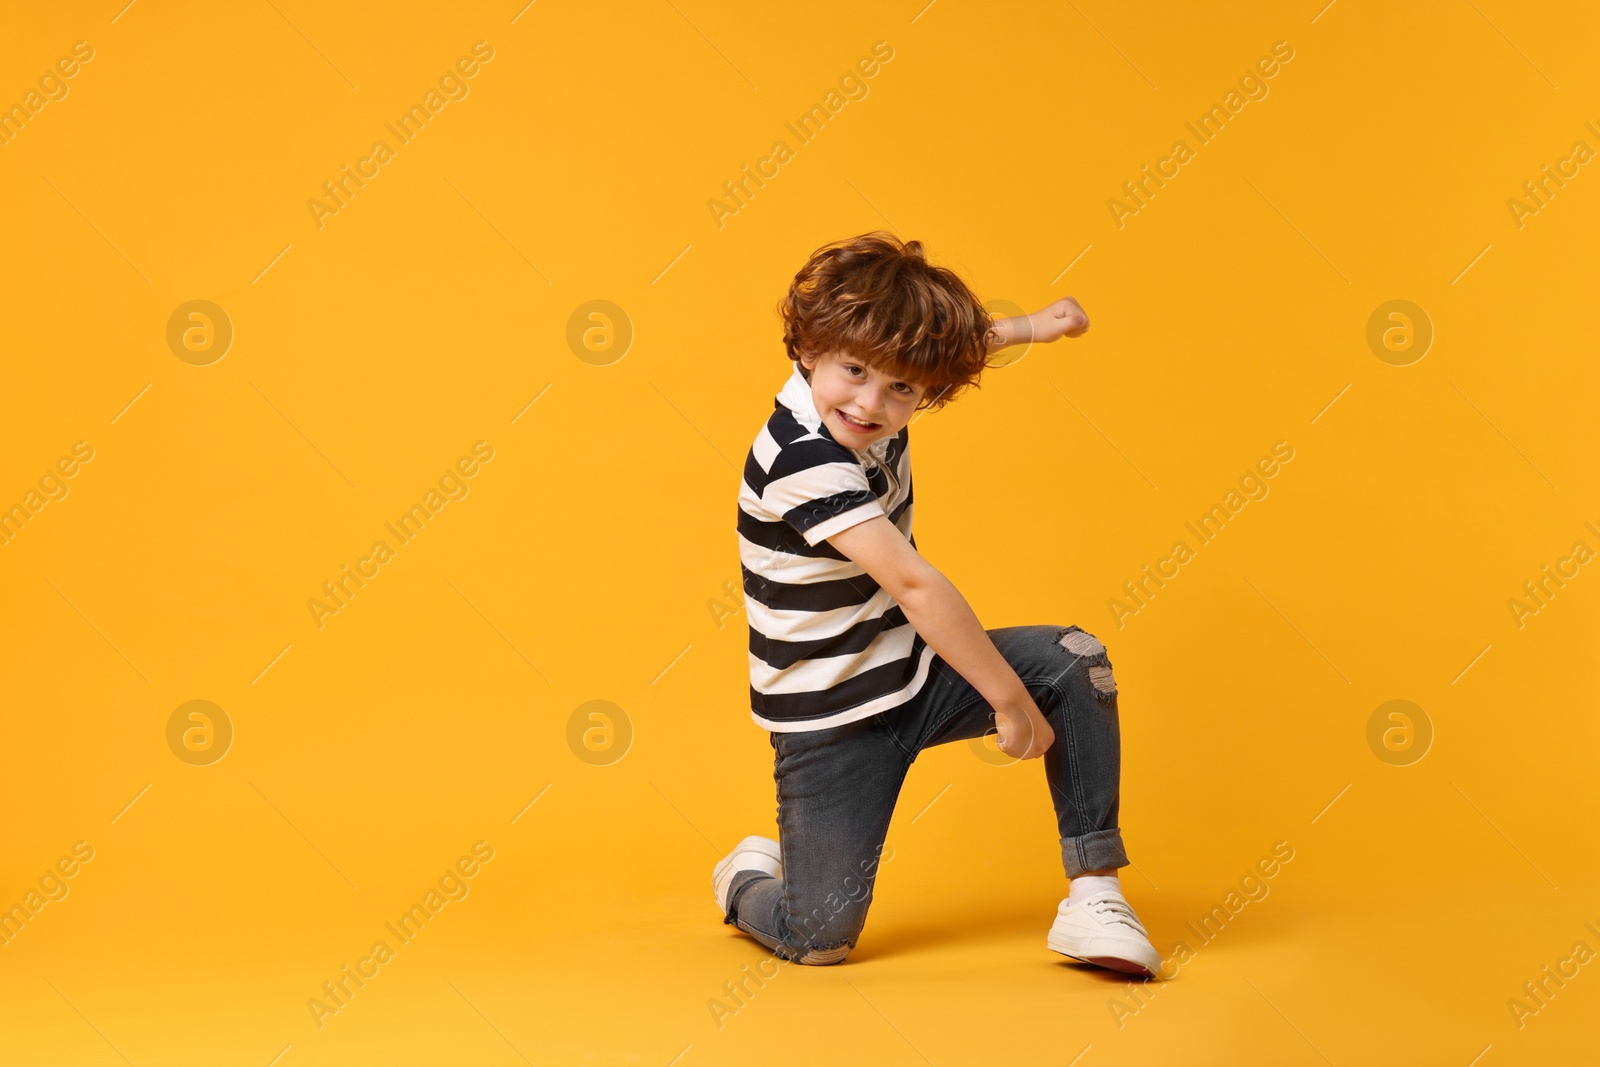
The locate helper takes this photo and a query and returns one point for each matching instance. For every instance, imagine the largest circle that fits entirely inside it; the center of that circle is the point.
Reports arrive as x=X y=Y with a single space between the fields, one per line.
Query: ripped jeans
x=837 y=788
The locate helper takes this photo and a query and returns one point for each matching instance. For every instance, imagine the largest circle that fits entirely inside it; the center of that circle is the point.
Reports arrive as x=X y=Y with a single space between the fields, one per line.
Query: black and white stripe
x=828 y=646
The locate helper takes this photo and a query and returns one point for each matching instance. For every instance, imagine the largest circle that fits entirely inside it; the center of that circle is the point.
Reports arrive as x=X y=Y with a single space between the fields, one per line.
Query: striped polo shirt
x=827 y=645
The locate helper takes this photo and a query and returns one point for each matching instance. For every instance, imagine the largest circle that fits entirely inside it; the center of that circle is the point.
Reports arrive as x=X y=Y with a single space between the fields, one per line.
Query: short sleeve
x=819 y=490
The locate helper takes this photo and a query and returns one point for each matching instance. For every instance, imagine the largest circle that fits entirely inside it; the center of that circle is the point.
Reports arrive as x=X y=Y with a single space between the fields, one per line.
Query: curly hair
x=880 y=300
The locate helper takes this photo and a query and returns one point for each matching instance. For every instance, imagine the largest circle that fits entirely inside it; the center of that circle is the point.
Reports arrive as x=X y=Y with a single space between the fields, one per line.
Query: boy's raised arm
x=937 y=610
x=1064 y=318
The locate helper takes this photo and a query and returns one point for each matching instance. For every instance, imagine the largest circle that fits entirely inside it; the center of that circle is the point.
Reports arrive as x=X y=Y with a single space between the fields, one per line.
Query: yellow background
x=587 y=560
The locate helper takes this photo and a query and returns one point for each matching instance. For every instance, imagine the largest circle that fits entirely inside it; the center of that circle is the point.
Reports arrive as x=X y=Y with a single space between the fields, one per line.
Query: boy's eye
x=904 y=387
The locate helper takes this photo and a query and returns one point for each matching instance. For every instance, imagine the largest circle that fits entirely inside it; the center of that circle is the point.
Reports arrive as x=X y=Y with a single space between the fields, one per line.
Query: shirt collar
x=796 y=396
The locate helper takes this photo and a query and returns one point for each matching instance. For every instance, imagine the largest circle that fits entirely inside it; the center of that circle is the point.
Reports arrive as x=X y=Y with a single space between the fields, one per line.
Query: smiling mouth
x=854 y=424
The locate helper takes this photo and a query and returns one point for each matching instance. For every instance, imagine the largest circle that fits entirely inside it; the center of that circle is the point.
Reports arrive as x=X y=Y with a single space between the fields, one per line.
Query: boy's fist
x=1064 y=318
x=1023 y=731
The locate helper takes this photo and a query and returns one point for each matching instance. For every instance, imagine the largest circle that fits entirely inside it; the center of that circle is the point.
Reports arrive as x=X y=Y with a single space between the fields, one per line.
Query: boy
x=862 y=654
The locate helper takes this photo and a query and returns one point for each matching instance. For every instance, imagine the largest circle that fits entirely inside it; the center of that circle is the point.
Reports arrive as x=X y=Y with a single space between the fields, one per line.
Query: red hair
x=879 y=300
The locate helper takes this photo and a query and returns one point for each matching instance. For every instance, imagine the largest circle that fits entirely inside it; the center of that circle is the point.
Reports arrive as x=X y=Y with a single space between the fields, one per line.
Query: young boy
x=862 y=654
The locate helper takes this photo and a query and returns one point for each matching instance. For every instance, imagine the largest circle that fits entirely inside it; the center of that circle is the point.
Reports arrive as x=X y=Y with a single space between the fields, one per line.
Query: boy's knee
x=821 y=957
x=829 y=933
x=1091 y=655
x=1081 y=643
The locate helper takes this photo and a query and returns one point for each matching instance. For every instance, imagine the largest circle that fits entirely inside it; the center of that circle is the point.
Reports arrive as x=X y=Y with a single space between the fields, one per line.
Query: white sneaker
x=1103 y=930
x=751 y=854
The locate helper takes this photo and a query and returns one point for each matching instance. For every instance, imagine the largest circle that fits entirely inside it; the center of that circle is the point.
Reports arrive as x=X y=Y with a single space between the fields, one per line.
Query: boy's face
x=844 y=389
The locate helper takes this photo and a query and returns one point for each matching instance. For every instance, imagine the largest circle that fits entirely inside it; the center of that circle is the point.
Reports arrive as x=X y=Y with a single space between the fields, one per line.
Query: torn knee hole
x=825 y=956
x=1103 y=682
x=1086 y=646
x=1081 y=643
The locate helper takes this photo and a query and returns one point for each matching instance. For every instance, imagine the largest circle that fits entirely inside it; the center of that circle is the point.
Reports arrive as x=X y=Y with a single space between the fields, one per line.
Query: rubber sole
x=1110 y=963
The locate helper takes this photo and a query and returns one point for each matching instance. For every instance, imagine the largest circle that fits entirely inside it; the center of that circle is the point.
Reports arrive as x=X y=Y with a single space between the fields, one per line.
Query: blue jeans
x=837 y=788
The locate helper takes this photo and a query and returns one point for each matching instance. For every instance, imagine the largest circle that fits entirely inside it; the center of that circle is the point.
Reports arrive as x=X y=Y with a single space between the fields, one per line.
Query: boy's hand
x=1024 y=733
x=1064 y=318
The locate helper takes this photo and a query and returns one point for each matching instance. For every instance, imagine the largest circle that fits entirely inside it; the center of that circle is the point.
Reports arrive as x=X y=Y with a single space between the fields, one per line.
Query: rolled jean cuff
x=1093 y=852
x=735 y=889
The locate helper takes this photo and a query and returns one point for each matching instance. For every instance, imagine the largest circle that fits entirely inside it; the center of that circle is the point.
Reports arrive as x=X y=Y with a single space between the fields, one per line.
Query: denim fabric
x=837 y=788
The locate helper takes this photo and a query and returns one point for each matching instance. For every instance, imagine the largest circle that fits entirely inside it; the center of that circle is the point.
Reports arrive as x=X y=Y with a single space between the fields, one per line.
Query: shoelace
x=1113 y=909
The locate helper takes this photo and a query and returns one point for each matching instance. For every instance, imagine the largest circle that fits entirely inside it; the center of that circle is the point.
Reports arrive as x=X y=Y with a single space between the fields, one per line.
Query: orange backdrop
x=377 y=384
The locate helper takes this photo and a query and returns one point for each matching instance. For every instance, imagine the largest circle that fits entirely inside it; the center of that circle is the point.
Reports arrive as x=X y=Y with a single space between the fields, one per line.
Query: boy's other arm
x=938 y=611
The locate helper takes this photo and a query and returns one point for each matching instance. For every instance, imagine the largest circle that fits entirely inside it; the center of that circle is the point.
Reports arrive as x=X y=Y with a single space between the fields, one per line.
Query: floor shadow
x=893 y=937
x=1201 y=923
